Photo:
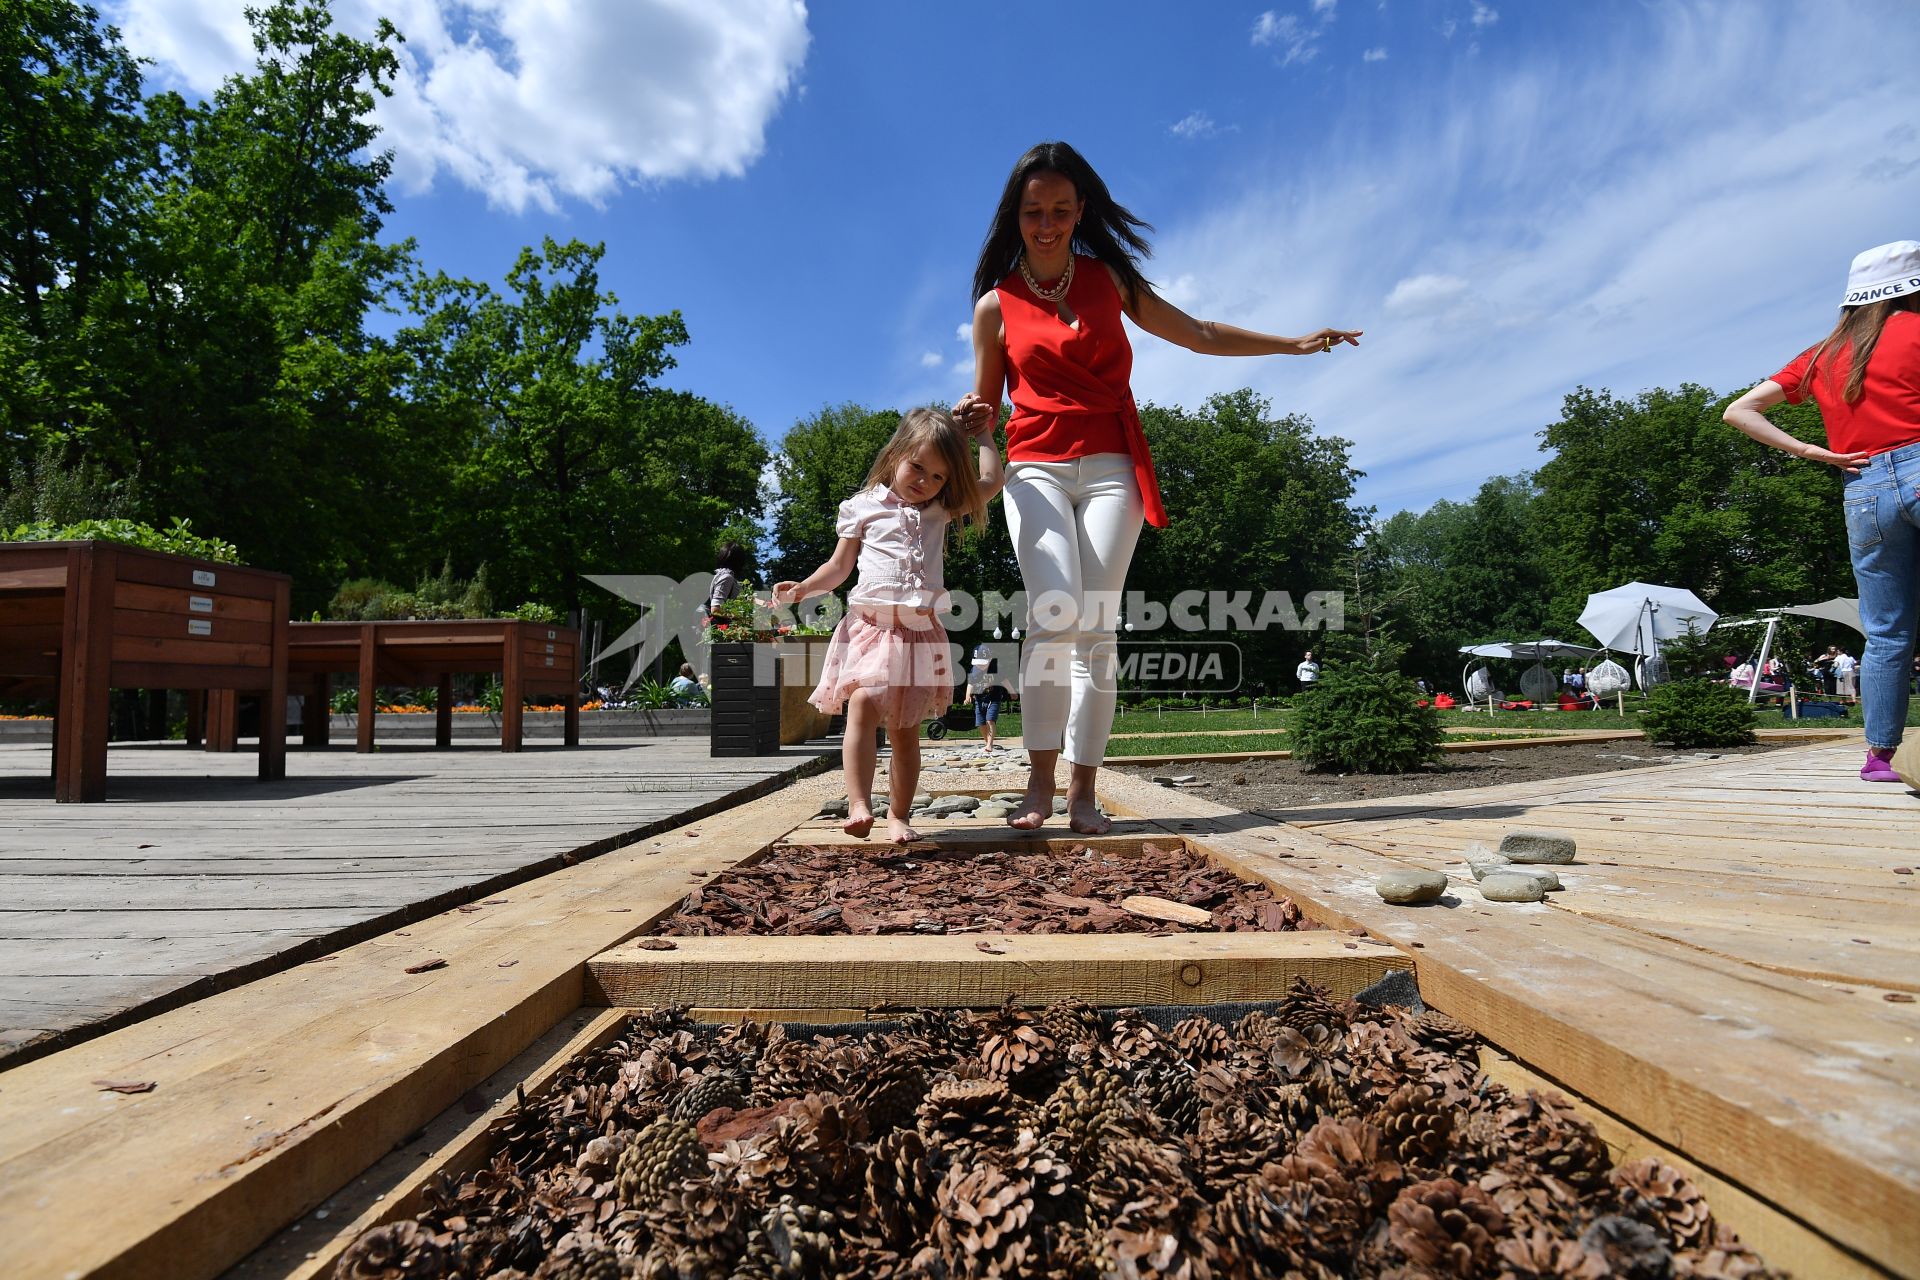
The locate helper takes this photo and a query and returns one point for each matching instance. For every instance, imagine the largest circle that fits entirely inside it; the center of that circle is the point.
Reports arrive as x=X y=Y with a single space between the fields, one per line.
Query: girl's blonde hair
x=1857 y=334
x=961 y=493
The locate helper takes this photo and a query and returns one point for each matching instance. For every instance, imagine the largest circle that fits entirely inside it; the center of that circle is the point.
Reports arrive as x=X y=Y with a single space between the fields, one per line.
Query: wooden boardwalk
x=1731 y=968
x=195 y=875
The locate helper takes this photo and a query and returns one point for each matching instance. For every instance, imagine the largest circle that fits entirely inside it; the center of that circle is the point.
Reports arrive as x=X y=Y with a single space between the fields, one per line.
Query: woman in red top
x=1865 y=376
x=1047 y=333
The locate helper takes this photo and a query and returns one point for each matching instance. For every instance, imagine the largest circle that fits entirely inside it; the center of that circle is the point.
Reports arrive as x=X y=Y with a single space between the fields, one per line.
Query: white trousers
x=1074 y=526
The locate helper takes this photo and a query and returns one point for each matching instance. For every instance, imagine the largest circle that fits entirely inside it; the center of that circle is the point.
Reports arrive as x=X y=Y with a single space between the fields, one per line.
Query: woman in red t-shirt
x=1865 y=376
x=1047 y=333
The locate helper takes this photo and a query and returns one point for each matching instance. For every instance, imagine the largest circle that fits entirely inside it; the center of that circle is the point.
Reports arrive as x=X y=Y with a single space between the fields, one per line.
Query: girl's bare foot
x=859 y=821
x=1086 y=820
x=900 y=831
x=1034 y=809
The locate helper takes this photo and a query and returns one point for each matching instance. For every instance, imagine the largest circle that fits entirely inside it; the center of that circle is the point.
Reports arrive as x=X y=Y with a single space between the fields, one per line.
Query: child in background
x=888 y=663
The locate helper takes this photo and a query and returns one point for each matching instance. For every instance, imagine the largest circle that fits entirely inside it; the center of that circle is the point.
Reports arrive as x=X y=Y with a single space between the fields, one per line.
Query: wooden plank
x=190 y=651
x=1806 y=1091
x=178 y=600
x=454 y=1145
x=1788 y=1244
x=161 y=569
x=169 y=626
x=273 y=1095
x=864 y=971
x=80 y=745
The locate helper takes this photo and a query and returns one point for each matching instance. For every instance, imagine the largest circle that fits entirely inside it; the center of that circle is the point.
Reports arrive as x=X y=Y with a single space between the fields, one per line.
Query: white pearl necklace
x=1058 y=291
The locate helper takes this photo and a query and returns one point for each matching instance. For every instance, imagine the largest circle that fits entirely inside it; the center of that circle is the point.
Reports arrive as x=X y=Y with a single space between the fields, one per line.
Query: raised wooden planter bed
x=80 y=618
x=358 y=1054
x=747 y=681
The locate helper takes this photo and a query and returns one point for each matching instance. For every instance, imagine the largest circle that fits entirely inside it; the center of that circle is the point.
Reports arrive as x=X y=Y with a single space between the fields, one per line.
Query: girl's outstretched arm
x=1211 y=338
x=822 y=580
x=993 y=475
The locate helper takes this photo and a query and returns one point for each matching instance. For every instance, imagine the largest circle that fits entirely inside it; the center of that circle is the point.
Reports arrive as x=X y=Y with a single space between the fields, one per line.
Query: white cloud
x=931 y=359
x=537 y=104
x=1196 y=125
x=1606 y=222
x=963 y=332
x=1325 y=6
x=1425 y=295
x=1297 y=41
x=1484 y=15
x=1377 y=54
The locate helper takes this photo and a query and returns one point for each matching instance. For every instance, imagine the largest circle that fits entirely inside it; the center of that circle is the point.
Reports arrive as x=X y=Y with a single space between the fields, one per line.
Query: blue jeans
x=1883 y=537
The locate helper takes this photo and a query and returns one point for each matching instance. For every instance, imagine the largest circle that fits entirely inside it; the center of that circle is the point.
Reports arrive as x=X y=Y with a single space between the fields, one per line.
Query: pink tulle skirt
x=900 y=656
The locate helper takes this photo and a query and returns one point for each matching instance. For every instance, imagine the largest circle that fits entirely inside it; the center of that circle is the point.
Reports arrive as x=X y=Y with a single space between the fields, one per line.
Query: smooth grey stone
x=1007 y=797
x=1410 y=888
x=1537 y=846
x=1059 y=805
x=1181 y=779
x=1512 y=886
x=1481 y=860
x=922 y=800
x=1549 y=881
x=834 y=808
x=993 y=811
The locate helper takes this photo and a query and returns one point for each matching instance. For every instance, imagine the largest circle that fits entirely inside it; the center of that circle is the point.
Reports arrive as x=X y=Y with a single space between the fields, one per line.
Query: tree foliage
x=1364 y=716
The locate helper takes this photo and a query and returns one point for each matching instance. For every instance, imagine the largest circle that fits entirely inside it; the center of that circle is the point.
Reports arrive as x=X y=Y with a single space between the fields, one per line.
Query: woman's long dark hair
x=1857 y=334
x=1106 y=230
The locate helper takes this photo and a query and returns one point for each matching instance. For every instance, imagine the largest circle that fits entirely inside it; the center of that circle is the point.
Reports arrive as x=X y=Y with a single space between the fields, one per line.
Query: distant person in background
x=1865 y=376
x=685 y=688
x=986 y=693
x=1846 y=671
x=1307 y=673
x=1823 y=669
x=727 y=571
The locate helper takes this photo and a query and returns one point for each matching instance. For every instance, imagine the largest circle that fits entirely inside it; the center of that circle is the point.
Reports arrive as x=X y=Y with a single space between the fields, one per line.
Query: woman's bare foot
x=1034 y=809
x=900 y=831
x=859 y=821
x=1083 y=818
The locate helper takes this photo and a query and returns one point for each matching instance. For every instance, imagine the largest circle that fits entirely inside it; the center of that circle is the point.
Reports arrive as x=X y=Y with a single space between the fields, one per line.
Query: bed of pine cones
x=1318 y=1139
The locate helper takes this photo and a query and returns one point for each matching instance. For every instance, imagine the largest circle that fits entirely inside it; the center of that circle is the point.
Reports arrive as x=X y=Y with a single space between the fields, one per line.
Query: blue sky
x=1512 y=198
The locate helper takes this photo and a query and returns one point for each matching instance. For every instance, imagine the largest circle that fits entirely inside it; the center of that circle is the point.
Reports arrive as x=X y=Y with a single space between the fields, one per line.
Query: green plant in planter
x=1365 y=717
x=534 y=611
x=344 y=702
x=177 y=538
x=492 y=696
x=733 y=620
x=1697 y=713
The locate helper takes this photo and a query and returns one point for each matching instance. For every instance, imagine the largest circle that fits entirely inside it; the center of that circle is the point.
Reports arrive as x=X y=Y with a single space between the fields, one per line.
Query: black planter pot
x=746 y=700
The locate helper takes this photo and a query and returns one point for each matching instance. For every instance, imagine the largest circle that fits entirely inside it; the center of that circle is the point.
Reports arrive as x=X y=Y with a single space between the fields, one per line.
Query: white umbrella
x=1636 y=617
x=1843 y=609
x=1528 y=649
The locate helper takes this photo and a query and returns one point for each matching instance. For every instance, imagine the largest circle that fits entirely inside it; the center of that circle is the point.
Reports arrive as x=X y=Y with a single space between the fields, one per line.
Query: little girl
x=888 y=662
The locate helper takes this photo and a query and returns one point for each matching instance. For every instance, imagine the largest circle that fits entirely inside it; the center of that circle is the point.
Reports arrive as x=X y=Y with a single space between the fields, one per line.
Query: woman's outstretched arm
x=1211 y=338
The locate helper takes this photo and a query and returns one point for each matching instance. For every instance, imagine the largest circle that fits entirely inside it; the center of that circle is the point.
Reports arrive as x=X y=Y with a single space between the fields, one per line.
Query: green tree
x=572 y=459
x=823 y=461
x=1255 y=503
x=1658 y=488
x=73 y=157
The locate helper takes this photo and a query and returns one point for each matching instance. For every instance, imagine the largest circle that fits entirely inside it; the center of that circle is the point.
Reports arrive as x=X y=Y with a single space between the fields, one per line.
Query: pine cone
x=1663 y=1198
x=1557 y=1141
x=1415 y=1124
x=801 y=1240
x=1631 y=1249
x=812 y=1154
x=984 y=1223
x=1542 y=1255
x=1201 y=1040
x=1436 y=1031
x=698 y=1233
x=1232 y=1144
x=1132 y=1040
x=1084 y=1109
x=662 y=1156
x=959 y=1116
x=900 y=1189
x=891 y=1094
x=1269 y=1226
x=1014 y=1051
x=1336 y=1152
x=587 y=1264
x=1168 y=1092
x=1080 y=1253
x=397 y=1251
x=1311 y=1010
x=951 y=1033
x=1533 y=1200
x=713 y=1089
x=1725 y=1258
x=1444 y=1227
x=1072 y=1022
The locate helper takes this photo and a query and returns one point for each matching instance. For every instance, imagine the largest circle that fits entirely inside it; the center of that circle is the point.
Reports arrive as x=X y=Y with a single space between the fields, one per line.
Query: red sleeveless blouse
x=1070 y=387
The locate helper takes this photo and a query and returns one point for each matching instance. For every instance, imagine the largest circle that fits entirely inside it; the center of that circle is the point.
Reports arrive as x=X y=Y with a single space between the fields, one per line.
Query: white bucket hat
x=1890 y=271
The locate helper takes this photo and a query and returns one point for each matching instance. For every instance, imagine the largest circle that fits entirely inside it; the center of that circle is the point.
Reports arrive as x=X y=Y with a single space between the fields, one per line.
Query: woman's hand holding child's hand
x=974 y=415
x=786 y=593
